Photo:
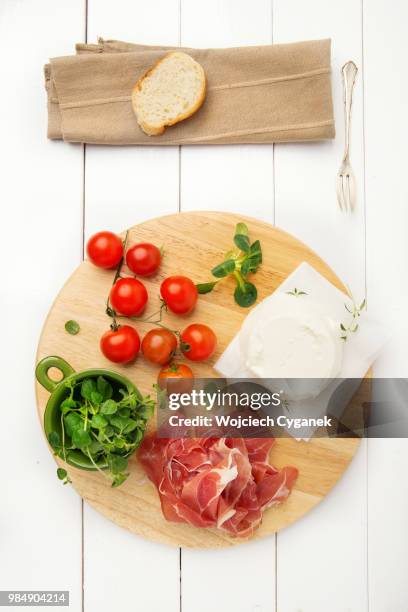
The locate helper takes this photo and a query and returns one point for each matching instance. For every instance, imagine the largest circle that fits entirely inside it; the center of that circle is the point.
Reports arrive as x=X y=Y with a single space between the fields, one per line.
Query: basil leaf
x=87 y=388
x=72 y=327
x=62 y=474
x=109 y=407
x=205 y=287
x=224 y=268
x=80 y=438
x=245 y=294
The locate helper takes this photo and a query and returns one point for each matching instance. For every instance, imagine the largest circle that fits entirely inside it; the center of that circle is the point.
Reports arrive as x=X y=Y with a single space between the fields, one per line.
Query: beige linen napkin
x=266 y=94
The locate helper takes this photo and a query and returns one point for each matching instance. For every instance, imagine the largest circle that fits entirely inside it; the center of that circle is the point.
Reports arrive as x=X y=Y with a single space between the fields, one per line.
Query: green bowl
x=58 y=390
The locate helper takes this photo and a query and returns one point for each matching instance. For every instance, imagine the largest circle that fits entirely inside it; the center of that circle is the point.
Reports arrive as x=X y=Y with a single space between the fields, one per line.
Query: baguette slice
x=169 y=92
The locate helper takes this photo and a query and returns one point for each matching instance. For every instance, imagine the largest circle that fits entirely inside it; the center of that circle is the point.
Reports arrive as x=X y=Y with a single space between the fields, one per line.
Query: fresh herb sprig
x=296 y=292
x=106 y=429
x=238 y=263
x=352 y=326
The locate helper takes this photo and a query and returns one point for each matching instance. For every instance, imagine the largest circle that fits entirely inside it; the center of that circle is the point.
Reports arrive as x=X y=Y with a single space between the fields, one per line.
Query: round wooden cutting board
x=193 y=243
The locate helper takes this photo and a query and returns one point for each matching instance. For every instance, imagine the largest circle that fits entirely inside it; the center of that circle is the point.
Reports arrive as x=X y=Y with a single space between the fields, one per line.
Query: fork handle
x=349 y=72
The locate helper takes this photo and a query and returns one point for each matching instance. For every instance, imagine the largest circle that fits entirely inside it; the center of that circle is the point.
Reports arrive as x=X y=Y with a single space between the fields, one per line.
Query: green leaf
x=256 y=252
x=80 y=438
x=242 y=242
x=109 y=407
x=246 y=267
x=95 y=447
x=139 y=436
x=342 y=327
x=249 y=265
x=96 y=398
x=72 y=327
x=124 y=412
x=241 y=228
x=363 y=303
x=131 y=426
x=245 y=294
x=54 y=439
x=72 y=422
x=98 y=421
x=104 y=388
x=62 y=474
x=119 y=422
x=117 y=464
x=119 y=479
x=224 y=268
x=203 y=288
x=68 y=404
x=87 y=388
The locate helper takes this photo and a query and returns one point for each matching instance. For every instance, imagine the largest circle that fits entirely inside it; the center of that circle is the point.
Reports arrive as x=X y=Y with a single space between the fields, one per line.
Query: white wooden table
x=350 y=553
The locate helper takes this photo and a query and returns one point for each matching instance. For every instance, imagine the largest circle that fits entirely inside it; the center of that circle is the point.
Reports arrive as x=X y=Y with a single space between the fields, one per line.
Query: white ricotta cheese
x=289 y=337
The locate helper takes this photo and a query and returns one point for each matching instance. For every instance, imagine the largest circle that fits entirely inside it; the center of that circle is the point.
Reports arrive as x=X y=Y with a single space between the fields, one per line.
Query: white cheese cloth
x=360 y=350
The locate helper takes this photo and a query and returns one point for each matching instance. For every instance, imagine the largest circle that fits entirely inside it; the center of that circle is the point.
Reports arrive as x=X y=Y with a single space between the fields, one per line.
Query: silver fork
x=346 y=183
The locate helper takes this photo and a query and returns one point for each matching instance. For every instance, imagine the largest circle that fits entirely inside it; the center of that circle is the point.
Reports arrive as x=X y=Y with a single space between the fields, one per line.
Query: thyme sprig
x=296 y=292
x=352 y=326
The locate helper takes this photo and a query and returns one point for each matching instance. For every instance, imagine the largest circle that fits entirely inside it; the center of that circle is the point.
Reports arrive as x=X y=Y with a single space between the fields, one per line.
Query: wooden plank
x=386 y=91
x=40 y=191
x=124 y=186
x=233 y=179
x=319 y=547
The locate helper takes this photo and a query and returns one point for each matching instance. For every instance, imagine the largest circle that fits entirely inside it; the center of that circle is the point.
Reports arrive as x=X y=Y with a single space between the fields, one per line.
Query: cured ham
x=225 y=483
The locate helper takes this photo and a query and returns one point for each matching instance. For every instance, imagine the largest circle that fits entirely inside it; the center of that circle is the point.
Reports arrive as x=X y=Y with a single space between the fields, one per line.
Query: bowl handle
x=41 y=371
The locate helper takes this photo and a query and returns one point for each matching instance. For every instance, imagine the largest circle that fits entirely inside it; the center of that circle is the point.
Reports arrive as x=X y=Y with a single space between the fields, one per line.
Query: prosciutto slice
x=226 y=483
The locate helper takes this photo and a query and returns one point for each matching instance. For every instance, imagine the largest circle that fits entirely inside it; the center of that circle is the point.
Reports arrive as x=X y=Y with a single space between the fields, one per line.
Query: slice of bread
x=169 y=92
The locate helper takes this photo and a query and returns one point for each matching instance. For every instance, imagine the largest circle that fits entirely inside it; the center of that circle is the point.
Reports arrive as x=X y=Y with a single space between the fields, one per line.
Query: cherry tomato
x=200 y=342
x=159 y=345
x=143 y=259
x=176 y=378
x=105 y=249
x=179 y=293
x=121 y=345
x=128 y=297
